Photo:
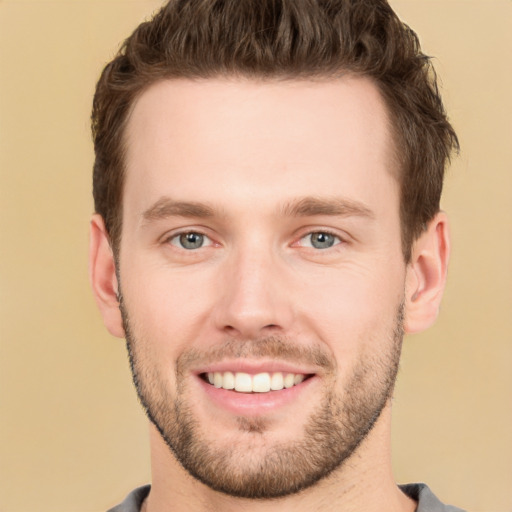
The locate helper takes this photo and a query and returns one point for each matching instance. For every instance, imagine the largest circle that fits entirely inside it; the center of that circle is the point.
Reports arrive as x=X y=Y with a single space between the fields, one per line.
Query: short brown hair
x=281 y=39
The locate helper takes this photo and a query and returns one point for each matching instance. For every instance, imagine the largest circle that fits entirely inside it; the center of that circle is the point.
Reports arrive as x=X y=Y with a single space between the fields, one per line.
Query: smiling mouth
x=259 y=383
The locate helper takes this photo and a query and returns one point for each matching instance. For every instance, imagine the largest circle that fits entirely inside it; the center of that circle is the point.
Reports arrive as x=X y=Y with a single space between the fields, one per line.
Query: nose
x=254 y=299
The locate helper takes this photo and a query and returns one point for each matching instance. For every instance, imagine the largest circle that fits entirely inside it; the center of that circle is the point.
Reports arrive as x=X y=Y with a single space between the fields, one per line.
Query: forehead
x=206 y=137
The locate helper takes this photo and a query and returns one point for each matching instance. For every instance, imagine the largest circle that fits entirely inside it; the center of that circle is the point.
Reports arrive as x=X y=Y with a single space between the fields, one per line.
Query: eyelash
x=178 y=242
x=177 y=237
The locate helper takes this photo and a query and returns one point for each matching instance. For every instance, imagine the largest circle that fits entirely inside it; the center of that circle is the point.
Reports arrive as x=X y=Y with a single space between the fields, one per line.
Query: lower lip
x=254 y=404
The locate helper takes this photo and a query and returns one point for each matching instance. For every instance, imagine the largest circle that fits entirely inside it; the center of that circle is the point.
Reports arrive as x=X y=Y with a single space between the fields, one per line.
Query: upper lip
x=255 y=366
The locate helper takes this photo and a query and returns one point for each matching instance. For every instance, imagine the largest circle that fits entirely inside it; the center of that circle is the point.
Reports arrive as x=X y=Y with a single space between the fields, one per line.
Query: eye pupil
x=322 y=240
x=191 y=240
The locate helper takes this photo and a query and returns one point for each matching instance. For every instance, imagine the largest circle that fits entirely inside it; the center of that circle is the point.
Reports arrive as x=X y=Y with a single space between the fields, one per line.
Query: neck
x=363 y=482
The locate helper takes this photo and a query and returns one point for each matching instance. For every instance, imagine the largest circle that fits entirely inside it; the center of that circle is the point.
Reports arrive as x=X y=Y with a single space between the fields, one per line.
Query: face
x=261 y=275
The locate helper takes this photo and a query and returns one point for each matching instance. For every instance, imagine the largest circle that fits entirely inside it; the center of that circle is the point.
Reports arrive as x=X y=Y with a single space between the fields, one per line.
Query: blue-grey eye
x=190 y=240
x=320 y=240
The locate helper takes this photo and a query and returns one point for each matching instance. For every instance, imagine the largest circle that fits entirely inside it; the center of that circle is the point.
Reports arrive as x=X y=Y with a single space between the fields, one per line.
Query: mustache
x=271 y=347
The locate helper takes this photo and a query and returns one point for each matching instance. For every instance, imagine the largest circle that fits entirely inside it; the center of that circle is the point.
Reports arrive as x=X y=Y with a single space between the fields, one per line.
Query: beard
x=250 y=465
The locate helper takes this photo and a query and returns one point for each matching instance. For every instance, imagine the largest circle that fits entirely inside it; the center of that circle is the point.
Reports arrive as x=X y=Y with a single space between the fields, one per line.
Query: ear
x=102 y=274
x=426 y=275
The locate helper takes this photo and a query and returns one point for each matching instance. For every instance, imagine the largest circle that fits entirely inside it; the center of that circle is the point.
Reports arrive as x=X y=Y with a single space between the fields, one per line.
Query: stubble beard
x=249 y=467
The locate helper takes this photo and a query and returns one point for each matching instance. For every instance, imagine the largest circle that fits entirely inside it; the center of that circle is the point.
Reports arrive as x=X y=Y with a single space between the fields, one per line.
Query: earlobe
x=426 y=275
x=102 y=275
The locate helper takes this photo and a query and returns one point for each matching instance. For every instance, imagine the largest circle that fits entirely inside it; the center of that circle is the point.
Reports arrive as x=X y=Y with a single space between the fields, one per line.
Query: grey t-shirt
x=427 y=502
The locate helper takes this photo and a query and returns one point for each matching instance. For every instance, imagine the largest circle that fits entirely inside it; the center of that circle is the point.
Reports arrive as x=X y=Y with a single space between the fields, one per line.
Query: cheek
x=166 y=308
x=353 y=309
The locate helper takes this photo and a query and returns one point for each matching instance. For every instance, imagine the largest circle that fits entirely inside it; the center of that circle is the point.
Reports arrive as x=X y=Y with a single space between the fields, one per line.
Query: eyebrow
x=309 y=206
x=334 y=206
x=166 y=207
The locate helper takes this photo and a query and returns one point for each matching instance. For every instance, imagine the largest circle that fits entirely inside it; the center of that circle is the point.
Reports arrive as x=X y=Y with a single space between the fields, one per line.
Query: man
x=267 y=227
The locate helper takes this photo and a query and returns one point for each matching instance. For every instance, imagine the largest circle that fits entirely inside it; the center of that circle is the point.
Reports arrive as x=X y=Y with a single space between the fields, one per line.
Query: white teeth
x=276 y=383
x=259 y=383
x=243 y=382
x=289 y=380
x=228 y=381
x=298 y=379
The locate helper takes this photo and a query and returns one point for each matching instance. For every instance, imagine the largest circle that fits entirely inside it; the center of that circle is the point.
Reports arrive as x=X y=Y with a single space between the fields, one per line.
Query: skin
x=250 y=152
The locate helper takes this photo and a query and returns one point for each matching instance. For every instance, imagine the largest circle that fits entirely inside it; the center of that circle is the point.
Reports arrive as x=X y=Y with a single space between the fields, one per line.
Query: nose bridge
x=253 y=296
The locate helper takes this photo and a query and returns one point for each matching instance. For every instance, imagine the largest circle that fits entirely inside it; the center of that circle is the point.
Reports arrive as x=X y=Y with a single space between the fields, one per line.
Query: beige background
x=72 y=437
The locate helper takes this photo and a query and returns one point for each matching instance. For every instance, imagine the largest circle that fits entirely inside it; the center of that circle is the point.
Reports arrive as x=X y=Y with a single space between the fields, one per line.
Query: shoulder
x=427 y=501
x=133 y=501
